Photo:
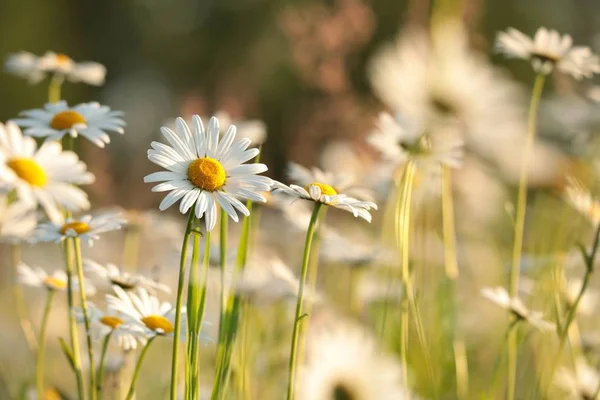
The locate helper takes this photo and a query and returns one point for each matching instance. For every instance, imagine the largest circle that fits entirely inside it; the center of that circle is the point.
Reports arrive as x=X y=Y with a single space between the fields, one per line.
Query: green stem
x=299 y=304
x=138 y=366
x=86 y=320
x=101 y=366
x=54 y=88
x=520 y=225
x=42 y=345
x=178 y=304
x=192 y=315
x=21 y=309
x=222 y=269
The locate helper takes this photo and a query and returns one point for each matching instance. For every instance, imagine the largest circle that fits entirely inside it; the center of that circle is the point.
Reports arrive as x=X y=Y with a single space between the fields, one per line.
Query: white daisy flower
x=355 y=251
x=582 y=200
x=205 y=171
x=344 y=362
x=579 y=384
x=325 y=194
x=113 y=275
x=45 y=176
x=501 y=297
x=87 y=228
x=103 y=323
x=17 y=220
x=57 y=280
x=35 y=69
x=549 y=49
x=90 y=120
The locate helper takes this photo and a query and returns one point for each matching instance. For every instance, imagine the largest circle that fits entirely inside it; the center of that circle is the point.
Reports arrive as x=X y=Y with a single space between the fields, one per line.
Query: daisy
x=324 y=193
x=37 y=277
x=356 y=251
x=501 y=297
x=582 y=200
x=344 y=362
x=87 y=228
x=205 y=171
x=589 y=300
x=113 y=275
x=17 y=220
x=549 y=49
x=45 y=176
x=90 y=120
x=35 y=69
x=579 y=384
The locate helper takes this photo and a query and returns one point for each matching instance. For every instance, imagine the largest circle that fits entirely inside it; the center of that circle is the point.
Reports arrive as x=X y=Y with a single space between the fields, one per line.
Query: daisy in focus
x=35 y=68
x=501 y=297
x=548 y=50
x=206 y=171
x=90 y=120
x=57 y=280
x=87 y=228
x=111 y=275
x=17 y=220
x=45 y=176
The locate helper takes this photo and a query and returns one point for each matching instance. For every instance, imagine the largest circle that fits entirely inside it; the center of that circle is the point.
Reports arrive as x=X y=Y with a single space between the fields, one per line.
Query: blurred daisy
x=582 y=200
x=589 y=300
x=87 y=228
x=17 y=220
x=205 y=171
x=37 y=277
x=45 y=176
x=501 y=297
x=113 y=275
x=35 y=69
x=103 y=323
x=355 y=251
x=547 y=50
x=344 y=362
x=326 y=194
x=579 y=384
x=90 y=120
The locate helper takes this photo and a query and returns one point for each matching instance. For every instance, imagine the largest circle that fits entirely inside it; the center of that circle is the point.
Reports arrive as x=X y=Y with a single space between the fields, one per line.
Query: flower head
x=501 y=297
x=57 y=280
x=17 y=220
x=548 y=50
x=205 y=171
x=114 y=276
x=90 y=120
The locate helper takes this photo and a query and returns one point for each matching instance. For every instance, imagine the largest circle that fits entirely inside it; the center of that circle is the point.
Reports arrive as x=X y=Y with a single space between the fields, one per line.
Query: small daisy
x=344 y=362
x=206 y=172
x=579 y=384
x=90 y=120
x=17 y=220
x=104 y=323
x=113 y=275
x=582 y=200
x=548 y=49
x=501 y=297
x=356 y=251
x=37 y=277
x=35 y=69
x=45 y=176
x=87 y=228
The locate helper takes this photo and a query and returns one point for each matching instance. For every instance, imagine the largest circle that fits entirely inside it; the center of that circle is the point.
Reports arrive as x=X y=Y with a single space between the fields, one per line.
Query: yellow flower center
x=158 y=323
x=325 y=188
x=111 y=321
x=29 y=171
x=62 y=59
x=78 y=226
x=54 y=283
x=207 y=173
x=66 y=120
x=51 y=394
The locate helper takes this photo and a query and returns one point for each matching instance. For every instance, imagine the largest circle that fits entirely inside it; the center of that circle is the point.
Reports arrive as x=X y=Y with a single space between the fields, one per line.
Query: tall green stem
x=54 y=88
x=42 y=346
x=138 y=366
x=101 y=366
x=192 y=315
x=178 y=305
x=300 y=301
x=222 y=269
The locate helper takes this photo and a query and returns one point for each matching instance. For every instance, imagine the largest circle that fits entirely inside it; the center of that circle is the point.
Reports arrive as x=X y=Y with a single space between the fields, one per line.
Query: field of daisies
x=447 y=251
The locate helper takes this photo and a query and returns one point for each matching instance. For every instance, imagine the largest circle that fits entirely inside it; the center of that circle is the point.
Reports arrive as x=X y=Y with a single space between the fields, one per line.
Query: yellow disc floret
x=207 y=173
x=111 y=321
x=77 y=226
x=54 y=283
x=66 y=120
x=326 y=189
x=29 y=170
x=63 y=59
x=158 y=323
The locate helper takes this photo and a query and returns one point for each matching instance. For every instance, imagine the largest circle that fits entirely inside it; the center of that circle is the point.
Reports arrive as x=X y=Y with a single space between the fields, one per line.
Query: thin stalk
x=54 y=88
x=20 y=308
x=515 y=271
x=222 y=270
x=138 y=366
x=86 y=320
x=42 y=348
x=101 y=366
x=300 y=301
x=178 y=304
x=192 y=314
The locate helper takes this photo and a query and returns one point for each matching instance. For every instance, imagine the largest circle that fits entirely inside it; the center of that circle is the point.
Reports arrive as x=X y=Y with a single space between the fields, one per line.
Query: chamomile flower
x=344 y=362
x=90 y=120
x=87 y=228
x=45 y=176
x=35 y=68
x=57 y=280
x=206 y=172
x=324 y=193
x=17 y=220
x=114 y=276
x=582 y=200
x=579 y=384
x=501 y=297
x=549 y=49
